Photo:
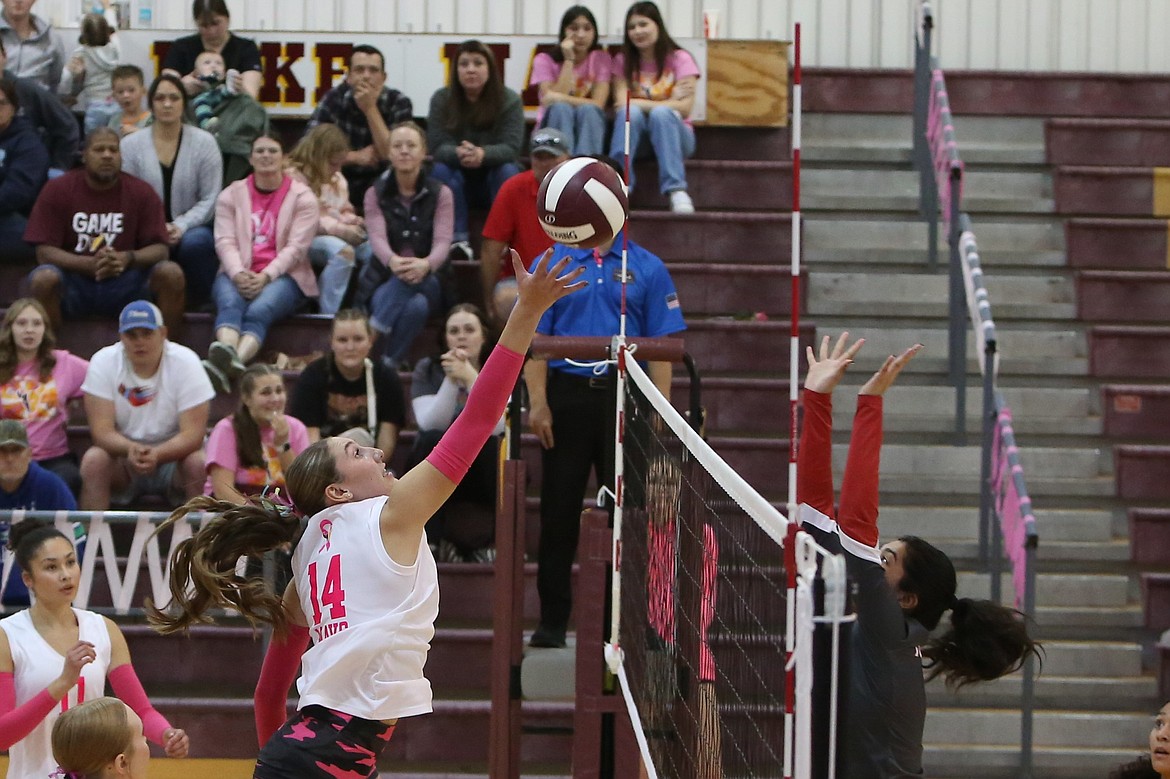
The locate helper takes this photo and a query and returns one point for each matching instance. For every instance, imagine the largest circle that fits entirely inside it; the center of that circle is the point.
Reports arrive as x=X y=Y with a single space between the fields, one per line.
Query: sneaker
x=547 y=638
x=224 y=357
x=681 y=203
x=460 y=251
x=219 y=381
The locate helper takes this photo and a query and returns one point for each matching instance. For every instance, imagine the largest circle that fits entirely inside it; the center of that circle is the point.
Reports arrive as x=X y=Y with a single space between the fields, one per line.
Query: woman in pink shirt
x=247 y=452
x=574 y=83
x=264 y=225
x=660 y=77
x=36 y=384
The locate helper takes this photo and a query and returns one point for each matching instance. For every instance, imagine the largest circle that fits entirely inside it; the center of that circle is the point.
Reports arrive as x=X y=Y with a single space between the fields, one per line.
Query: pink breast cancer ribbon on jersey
x=326 y=529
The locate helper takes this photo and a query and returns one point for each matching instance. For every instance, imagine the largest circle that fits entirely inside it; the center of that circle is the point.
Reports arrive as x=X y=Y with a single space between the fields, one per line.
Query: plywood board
x=747 y=83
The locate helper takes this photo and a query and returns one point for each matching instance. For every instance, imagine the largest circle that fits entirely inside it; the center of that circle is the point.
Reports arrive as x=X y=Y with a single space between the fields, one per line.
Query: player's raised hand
x=883 y=379
x=545 y=285
x=825 y=370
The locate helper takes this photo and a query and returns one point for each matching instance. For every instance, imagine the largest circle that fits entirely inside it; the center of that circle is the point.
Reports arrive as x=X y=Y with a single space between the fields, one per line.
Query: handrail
x=1005 y=510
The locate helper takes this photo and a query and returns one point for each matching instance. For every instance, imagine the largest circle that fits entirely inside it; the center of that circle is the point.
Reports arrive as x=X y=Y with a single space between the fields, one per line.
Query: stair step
x=946 y=522
x=715 y=236
x=1122 y=296
x=1129 y=351
x=897 y=190
x=1117 y=244
x=721 y=185
x=973 y=761
x=926 y=295
x=1100 y=141
x=1116 y=693
x=736 y=288
x=1102 y=191
x=1135 y=411
x=1056 y=590
x=1149 y=533
x=1097 y=729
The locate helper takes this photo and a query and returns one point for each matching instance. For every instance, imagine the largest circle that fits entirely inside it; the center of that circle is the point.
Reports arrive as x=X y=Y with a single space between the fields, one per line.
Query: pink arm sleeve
x=127 y=687
x=461 y=443
x=16 y=723
x=276 y=677
x=859 y=487
x=814 y=457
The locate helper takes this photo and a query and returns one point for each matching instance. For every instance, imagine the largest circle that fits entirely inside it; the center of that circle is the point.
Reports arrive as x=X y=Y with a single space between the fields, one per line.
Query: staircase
x=865 y=252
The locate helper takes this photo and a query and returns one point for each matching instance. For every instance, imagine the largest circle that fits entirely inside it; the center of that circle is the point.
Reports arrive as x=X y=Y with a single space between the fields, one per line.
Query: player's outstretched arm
x=814 y=468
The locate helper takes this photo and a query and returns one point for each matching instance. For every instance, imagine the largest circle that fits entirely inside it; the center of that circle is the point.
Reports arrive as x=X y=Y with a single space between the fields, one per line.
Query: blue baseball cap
x=140 y=313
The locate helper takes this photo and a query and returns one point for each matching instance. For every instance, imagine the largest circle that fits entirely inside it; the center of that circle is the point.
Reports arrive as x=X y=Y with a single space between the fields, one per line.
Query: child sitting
x=209 y=68
x=129 y=85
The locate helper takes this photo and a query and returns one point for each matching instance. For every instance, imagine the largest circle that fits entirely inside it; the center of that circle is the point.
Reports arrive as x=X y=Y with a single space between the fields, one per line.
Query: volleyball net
x=728 y=621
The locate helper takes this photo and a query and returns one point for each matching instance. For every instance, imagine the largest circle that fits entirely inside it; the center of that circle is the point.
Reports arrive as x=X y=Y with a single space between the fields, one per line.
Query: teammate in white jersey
x=365 y=589
x=53 y=656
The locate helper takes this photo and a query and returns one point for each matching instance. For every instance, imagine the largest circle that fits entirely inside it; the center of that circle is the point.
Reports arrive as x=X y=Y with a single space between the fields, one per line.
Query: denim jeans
x=473 y=187
x=669 y=139
x=279 y=299
x=196 y=255
x=328 y=257
x=583 y=124
x=400 y=311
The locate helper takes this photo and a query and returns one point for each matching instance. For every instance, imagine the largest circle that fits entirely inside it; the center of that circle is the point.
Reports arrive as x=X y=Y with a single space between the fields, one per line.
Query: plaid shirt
x=338 y=107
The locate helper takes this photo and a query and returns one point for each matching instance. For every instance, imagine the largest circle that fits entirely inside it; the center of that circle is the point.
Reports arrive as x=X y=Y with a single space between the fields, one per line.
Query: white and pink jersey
x=371 y=619
x=36 y=665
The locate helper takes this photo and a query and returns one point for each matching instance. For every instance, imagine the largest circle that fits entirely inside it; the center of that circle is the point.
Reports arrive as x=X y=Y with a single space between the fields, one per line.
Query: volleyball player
x=903 y=588
x=365 y=586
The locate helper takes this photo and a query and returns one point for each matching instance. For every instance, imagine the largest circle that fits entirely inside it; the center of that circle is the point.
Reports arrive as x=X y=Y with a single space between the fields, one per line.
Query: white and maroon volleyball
x=582 y=203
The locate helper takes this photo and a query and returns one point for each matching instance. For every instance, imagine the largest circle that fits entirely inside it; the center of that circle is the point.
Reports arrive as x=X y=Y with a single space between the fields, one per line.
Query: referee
x=572 y=408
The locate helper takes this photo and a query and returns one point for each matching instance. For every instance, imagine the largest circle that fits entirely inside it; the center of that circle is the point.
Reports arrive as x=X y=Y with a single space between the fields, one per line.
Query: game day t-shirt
x=72 y=216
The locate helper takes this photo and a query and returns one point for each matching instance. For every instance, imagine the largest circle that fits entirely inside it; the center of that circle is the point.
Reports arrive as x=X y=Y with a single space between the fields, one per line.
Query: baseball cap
x=140 y=313
x=12 y=433
x=549 y=140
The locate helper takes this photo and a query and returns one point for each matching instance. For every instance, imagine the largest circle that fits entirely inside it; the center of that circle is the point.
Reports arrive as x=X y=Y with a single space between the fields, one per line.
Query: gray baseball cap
x=12 y=433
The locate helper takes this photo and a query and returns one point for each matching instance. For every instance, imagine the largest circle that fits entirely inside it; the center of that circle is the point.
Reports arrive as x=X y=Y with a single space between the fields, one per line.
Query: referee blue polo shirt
x=652 y=306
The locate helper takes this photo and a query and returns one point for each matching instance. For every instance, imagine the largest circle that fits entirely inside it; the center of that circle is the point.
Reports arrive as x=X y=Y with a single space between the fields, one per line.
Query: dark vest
x=410 y=226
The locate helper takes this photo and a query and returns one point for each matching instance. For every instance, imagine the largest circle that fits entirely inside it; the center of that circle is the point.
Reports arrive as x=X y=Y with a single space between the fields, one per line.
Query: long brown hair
x=312 y=153
x=483 y=113
x=46 y=360
x=203 y=567
x=663 y=47
x=249 y=449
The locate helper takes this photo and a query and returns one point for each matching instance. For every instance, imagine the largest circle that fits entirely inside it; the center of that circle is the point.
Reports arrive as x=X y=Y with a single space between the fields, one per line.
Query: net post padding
x=596 y=709
x=507 y=619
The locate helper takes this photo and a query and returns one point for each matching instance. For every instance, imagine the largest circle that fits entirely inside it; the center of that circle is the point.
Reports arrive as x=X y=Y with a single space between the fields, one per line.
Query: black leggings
x=321 y=742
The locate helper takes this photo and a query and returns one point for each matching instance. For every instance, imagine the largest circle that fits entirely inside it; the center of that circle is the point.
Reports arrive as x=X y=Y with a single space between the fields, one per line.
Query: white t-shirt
x=146 y=409
x=371 y=620
x=36 y=665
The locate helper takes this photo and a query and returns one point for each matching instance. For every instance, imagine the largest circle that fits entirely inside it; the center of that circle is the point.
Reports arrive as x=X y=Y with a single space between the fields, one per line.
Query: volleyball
x=582 y=203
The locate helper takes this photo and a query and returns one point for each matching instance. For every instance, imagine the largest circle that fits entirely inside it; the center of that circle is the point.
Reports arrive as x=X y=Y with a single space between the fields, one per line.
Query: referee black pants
x=583 y=412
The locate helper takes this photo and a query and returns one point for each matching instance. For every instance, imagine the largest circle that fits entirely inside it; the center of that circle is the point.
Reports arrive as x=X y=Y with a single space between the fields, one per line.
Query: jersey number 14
x=331 y=594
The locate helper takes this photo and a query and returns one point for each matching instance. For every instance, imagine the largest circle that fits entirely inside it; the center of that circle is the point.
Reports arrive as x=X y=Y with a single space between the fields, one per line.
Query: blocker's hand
x=884 y=378
x=824 y=373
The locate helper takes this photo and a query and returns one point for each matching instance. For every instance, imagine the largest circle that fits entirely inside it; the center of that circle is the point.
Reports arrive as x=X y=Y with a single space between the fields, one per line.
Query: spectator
x=345 y=393
x=662 y=76
x=23 y=483
x=408 y=215
x=574 y=84
x=100 y=737
x=263 y=228
x=147 y=415
x=55 y=123
x=1156 y=764
x=439 y=392
x=37 y=383
x=101 y=240
x=38 y=51
x=341 y=241
x=183 y=165
x=239 y=54
x=513 y=222
x=129 y=86
x=210 y=69
x=84 y=651
x=247 y=452
x=475 y=127
x=365 y=109
x=86 y=83
x=572 y=407
x=24 y=164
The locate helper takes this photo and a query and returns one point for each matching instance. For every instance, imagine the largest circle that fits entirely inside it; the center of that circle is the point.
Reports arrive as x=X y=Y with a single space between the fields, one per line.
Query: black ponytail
x=1142 y=768
x=26 y=538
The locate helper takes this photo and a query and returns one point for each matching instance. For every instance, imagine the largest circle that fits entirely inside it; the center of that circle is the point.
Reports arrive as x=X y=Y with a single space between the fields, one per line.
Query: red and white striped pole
x=793 y=398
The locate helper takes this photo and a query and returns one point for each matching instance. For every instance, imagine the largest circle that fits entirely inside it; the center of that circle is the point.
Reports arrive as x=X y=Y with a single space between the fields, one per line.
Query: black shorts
x=317 y=741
